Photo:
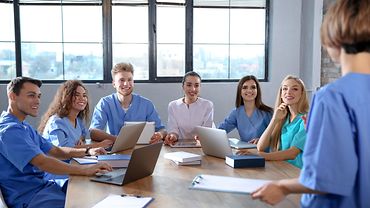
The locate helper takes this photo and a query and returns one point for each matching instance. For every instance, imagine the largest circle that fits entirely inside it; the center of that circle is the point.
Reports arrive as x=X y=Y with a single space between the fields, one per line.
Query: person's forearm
x=264 y=140
x=100 y=135
x=55 y=166
x=163 y=133
x=291 y=186
x=288 y=154
x=67 y=152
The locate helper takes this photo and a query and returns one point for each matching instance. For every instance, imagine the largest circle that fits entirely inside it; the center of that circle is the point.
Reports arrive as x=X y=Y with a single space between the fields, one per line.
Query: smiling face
x=291 y=92
x=79 y=99
x=249 y=91
x=27 y=102
x=123 y=82
x=191 y=88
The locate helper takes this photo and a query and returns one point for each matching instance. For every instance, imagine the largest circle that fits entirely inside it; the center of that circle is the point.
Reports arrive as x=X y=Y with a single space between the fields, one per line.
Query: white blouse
x=183 y=118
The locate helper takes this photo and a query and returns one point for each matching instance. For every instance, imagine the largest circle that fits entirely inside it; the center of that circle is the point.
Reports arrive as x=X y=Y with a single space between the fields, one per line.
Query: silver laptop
x=147 y=132
x=239 y=144
x=214 y=141
x=127 y=137
x=142 y=164
x=186 y=143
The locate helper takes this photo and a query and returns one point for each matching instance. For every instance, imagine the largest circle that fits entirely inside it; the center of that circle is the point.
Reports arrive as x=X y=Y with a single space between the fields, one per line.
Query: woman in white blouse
x=189 y=111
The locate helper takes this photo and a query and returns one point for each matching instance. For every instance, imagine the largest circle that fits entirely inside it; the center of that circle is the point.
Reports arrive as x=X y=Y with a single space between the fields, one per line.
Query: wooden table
x=169 y=184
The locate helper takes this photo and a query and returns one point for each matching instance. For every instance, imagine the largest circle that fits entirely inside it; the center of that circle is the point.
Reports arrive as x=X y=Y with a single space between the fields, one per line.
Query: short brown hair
x=122 y=67
x=346 y=25
x=16 y=84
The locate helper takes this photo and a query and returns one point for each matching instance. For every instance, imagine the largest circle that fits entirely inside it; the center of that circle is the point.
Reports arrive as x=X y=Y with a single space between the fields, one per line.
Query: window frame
x=106 y=6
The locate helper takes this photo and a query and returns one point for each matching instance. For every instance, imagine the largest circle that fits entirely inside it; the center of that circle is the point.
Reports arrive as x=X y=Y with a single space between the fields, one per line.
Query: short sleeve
x=299 y=138
x=99 y=118
x=329 y=133
x=19 y=148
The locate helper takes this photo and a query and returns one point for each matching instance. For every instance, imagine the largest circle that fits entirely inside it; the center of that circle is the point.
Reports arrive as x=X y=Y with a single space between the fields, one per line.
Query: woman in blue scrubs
x=285 y=135
x=63 y=124
x=336 y=160
x=250 y=115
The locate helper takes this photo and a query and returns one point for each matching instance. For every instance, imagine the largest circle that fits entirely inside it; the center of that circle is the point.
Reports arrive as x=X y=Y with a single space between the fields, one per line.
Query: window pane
x=247 y=59
x=211 y=61
x=130 y=38
x=41 y=23
x=225 y=3
x=130 y=24
x=83 y=61
x=171 y=60
x=42 y=60
x=137 y=55
x=247 y=26
x=170 y=41
x=7 y=61
x=7 y=45
x=172 y=1
x=82 y=24
x=211 y=25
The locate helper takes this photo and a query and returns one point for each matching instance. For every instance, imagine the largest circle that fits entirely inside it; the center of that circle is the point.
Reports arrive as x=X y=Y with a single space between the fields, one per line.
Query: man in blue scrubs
x=336 y=158
x=25 y=155
x=114 y=110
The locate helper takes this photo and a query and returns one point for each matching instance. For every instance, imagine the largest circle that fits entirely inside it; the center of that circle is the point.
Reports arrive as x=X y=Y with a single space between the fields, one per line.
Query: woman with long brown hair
x=250 y=115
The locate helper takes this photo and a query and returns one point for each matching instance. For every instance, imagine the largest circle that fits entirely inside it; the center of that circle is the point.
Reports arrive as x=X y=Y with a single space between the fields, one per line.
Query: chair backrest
x=2 y=201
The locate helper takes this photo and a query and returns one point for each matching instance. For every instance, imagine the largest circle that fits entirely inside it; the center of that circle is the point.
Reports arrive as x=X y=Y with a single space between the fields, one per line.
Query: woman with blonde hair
x=285 y=135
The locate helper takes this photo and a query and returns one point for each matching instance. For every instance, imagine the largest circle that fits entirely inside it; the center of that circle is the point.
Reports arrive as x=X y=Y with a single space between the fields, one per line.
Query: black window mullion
x=17 y=38
x=152 y=24
x=107 y=40
x=189 y=36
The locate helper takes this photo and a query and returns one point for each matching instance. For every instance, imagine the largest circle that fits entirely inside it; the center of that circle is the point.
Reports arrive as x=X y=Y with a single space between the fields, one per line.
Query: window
x=229 y=39
x=65 y=42
x=82 y=39
x=7 y=42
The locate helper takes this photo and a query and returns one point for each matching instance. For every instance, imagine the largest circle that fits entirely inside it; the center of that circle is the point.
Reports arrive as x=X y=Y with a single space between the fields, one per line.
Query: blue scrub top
x=109 y=112
x=293 y=134
x=61 y=132
x=22 y=183
x=248 y=127
x=336 y=159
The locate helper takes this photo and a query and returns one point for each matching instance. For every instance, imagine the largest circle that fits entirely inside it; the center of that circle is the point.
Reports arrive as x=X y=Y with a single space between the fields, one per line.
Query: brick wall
x=329 y=72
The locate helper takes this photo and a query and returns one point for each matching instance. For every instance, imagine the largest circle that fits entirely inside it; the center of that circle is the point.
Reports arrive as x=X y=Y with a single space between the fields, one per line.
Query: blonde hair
x=302 y=108
x=122 y=67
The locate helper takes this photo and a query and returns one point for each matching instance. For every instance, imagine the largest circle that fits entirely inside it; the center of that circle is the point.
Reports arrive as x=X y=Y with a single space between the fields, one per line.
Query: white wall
x=284 y=58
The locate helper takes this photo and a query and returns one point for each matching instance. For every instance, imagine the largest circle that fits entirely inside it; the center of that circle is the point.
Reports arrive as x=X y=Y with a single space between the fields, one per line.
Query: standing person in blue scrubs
x=25 y=156
x=285 y=136
x=250 y=116
x=114 y=110
x=63 y=124
x=336 y=168
x=185 y=113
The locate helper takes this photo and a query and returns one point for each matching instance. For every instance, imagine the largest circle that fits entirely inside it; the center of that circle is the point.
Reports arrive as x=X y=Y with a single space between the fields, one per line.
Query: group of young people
x=336 y=124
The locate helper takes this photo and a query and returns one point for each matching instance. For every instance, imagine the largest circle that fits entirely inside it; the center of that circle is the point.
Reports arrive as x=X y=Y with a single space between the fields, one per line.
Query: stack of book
x=184 y=158
x=245 y=161
x=116 y=161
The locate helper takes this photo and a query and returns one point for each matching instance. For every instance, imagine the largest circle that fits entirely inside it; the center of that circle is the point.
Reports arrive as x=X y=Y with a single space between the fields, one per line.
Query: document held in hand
x=226 y=184
x=124 y=201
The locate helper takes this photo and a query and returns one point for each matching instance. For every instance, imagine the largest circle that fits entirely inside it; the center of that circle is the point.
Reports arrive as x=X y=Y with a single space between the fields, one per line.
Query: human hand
x=254 y=141
x=97 y=151
x=170 y=139
x=100 y=167
x=281 y=112
x=271 y=193
x=244 y=152
x=157 y=136
x=105 y=143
